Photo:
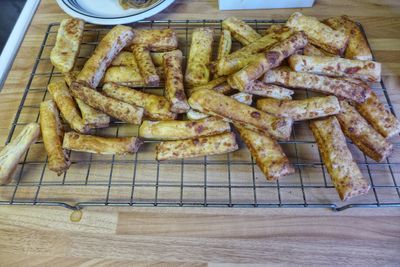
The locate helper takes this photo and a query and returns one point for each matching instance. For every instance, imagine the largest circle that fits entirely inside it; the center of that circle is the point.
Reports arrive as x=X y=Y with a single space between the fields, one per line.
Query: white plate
x=109 y=12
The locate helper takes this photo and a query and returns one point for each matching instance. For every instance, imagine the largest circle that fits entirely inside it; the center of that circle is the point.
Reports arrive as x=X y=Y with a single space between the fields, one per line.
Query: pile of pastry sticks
x=330 y=57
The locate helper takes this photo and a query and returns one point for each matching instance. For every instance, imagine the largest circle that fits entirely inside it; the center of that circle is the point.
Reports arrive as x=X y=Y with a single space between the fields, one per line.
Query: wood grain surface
x=45 y=236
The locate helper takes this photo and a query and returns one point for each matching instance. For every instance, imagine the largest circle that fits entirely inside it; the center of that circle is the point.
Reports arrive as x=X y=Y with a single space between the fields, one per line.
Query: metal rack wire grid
x=231 y=180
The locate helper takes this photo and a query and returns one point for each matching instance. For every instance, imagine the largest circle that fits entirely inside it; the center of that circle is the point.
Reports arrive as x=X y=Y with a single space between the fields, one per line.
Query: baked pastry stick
x=178 y=130
x=146 y=66
x=362 y=134
x=339 y=67
x=195 y=115
x=209 y=85
x=225 y=44
x=244 y=98
x=52 y=134
x=357 y=47
x=341 y=87
x=160 y=72
x=345 y=174
x=383 y=121
x=124 y=70
x=202 y=146
x=224 y=88
x=155 y=107
x=299 y=110
x=91 y=117
x=66 y=49
x=174 y=90
x=158 y=57
x=213 y=103
x=13 y=151
x=67 y=106
x=267 y=153
x=311 y=50
x=124 y=75
x=268 y=90
x=101 y=145
x=108 y=48
x=240 y=30
x=197 y=71
x=115 y=108
x=232 y=63
x=70 y=77
x=240 y=58
x=159 y=40
x=125 y=58
x=271 y=59
x=319 y=34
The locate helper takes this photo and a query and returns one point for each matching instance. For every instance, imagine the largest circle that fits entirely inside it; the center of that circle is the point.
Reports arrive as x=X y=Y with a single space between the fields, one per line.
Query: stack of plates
x=109 y=12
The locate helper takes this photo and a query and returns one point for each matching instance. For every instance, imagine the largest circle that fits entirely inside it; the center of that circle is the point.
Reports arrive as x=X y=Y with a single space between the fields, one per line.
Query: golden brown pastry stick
x=357 y=47
x=158 y=40
x=345 y=174
x=11 y=154
x=124 y=70
x=124 y=75
x=362 y=134
x=70 y=77
x=318 y=33
x=160 y=72
x=233 y=63
x=240 y=58
x=272 y=58
x=197 y=70
x=378 y=116
x=299 y=110
x=125 y=58
x=310 y=50
x=66 y=104
x=108 y=48
x=146 y=66
x=179 y=130
x=91 y=117
x=276 y=28
x=244 y=98
x=202 y=146
x=155 y=107
x=101 y=145
x=339 y=67
x=174 y=90
x=268 y=90
x=195 y=115
x=52 y=134
x=224 y=88
x=225 y=44
x=240 y=30
x=157 y=58
x=66 y=49
x=267 y=153
x=209 y=85
x=213 y=103
x=115 y=108
x=340 y=87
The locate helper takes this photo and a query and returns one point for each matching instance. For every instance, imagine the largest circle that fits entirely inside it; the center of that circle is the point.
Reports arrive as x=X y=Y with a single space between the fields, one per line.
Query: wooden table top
x=200 y=236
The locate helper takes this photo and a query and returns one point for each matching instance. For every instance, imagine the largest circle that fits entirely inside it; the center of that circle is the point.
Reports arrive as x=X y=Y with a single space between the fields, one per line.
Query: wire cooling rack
x=231 y=180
